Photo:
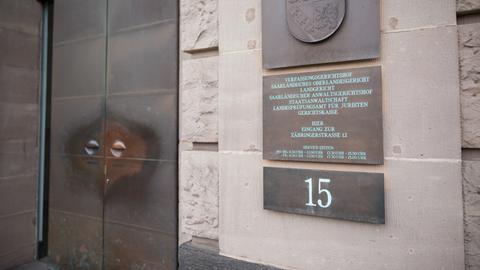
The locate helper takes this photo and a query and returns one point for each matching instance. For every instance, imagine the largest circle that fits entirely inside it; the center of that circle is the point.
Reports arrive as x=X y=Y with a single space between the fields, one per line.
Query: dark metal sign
x=307 y=32
x=333 y=116
x=350 y=196
x=313 y=20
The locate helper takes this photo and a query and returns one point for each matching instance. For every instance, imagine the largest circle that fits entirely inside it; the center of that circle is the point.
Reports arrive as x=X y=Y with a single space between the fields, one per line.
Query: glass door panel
x=141 y=143
x=113 y=173
x=140 y=217
x=77 y=162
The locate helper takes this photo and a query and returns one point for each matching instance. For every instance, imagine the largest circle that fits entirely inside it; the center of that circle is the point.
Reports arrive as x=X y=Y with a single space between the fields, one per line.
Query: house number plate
x=354 y=196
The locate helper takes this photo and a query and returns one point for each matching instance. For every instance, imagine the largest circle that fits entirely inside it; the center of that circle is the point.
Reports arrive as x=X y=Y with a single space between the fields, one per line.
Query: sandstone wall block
x=198 y=25
x=199 y=194
x=421 y=121
x=469 y=39
x=471 y=192
x=466 y=6
x=199 y=100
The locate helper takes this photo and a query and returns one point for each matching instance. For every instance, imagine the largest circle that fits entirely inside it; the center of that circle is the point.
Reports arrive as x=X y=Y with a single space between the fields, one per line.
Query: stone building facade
x=432 y=133
x=430 y=56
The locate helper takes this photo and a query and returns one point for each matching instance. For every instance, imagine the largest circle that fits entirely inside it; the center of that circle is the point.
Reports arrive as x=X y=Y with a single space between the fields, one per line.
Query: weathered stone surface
x=467 y=5
x=410 y=14
x=471 y=188
x=199 y=25
x=421 y=113
x=199 y=194
x=472 y=243
x=423 y=230
x=245 y=17
x=471 y=193
x=199 y=100
x=240 y=101
x=192 y=257
x=469 y=39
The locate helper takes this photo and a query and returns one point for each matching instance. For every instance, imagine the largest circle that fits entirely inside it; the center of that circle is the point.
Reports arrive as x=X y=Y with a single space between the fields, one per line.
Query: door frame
x=44 y=127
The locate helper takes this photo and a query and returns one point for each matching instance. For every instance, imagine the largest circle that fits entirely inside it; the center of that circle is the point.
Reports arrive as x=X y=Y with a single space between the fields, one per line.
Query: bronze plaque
x=350 y=196
x=313 y=20
x=306 y=32
x=332 y=116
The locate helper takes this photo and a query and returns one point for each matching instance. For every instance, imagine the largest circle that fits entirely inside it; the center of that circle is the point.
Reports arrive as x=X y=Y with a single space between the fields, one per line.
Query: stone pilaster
x=198 y=175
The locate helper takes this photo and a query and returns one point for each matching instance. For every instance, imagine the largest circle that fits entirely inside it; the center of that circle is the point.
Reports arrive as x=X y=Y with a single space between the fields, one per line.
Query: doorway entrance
x=113 y=135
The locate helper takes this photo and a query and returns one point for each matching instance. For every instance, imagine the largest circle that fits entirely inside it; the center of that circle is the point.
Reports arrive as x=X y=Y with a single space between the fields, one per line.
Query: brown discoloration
x=252 y=44
x=393 y=23
x=250 y=15
x=397 y=149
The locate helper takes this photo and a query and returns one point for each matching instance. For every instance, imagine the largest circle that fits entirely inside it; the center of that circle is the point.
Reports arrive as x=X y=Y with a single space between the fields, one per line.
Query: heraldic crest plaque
x=314 y=20
x=309 y=32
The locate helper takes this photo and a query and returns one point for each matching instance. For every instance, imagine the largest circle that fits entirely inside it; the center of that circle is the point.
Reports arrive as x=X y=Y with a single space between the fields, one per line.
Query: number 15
x=320 y=191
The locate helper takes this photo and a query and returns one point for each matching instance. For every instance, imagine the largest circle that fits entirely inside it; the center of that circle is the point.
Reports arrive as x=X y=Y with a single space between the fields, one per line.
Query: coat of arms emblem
x=314 y=20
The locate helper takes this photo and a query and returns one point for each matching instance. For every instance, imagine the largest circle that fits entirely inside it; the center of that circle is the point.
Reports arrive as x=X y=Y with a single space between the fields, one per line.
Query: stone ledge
x=191 y=257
